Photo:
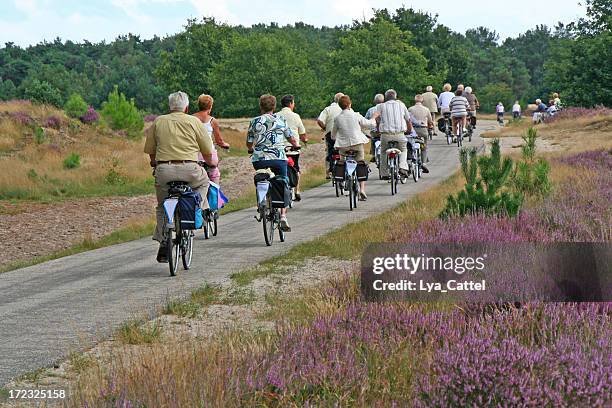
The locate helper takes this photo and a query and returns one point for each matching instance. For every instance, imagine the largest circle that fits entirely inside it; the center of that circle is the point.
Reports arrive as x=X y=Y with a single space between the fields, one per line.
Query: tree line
x=404 y=49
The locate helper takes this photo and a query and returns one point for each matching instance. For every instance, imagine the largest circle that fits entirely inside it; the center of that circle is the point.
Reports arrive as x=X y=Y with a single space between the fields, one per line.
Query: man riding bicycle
x=326 y=122
x=173 y=143
x=294 y=122
x=421 y=120
x=393 y=122
x=374 y=133
x=430 y=101
x=474 y=104
x=266 y=141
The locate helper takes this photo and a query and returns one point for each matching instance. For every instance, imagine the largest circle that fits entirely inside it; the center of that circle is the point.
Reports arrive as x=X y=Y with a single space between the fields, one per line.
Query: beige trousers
x=357 y=148
x=191 y=173
x=385 y=138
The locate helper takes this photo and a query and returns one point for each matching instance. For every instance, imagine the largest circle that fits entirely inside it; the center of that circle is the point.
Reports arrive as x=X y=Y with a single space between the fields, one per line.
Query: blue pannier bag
x=190 y=211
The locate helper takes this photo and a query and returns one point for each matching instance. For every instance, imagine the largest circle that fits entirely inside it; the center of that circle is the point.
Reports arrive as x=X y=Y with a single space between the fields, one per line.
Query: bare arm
x=217 y=135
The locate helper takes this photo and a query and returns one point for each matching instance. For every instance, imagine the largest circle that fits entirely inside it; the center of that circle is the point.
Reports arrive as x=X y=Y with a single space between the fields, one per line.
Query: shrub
x=39 y=135
x=122 y=114
x=487 y=184
x=23 y=118
x=42 y=92
x=531 y=176
x=90 y=116
x=52 y=122
x=76 y=106
x=73 y=161
x=114 y=177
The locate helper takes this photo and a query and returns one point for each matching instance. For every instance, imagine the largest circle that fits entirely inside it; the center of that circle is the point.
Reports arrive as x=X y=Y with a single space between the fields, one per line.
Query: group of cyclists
x=178 y=143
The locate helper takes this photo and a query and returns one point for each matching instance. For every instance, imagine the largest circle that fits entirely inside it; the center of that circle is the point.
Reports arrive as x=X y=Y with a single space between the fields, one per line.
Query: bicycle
x=178 y=241
x=337 y=181
x=210 y=216
x=266 y=212
x=448 y=127
x=470 y=126
x=350 y=182
x=393 y=154
x=430 y=133
x=460 y=134
x=416 y=162
x=291 y=172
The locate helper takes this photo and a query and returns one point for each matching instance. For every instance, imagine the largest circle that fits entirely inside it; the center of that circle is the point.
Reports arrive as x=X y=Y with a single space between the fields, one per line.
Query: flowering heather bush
x=91 y=116
x=23 y=118
x=52 y=122
x=574 y=113
x=150 y=118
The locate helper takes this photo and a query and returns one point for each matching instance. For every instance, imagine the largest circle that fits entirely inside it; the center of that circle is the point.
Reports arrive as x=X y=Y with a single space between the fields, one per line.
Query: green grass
x=53 y=190
x=4 y=394
x=80 y=362
x=200 y=298
x=139 y=332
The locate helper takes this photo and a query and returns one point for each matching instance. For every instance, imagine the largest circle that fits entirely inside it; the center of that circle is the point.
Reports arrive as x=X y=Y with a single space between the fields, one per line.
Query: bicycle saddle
x=393 y=150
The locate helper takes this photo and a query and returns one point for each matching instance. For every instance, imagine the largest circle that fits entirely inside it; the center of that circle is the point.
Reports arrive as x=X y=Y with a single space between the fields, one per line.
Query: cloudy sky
x=27 y=22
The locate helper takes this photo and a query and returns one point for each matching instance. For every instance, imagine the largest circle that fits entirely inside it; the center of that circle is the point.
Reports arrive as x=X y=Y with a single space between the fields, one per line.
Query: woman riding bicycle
x=205 y=104
x=459 y=107
x=347 y=131
x=266 y=141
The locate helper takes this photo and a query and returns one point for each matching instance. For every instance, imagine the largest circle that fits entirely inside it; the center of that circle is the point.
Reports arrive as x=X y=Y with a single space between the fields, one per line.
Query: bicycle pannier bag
x=362 y=171
x=339 y=170
x=441 y=126
x=280 y=193
x=216 y=198
x=190 y=211
x=292 y=174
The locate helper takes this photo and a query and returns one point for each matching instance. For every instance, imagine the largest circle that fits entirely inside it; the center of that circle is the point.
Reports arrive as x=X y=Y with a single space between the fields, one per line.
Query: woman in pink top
x=205 y=104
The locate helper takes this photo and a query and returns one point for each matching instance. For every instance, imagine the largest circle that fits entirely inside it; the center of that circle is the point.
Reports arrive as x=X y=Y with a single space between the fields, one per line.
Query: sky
x=26 y=22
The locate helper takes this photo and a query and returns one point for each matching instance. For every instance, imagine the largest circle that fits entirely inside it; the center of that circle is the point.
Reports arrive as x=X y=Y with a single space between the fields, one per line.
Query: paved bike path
x=50 y=309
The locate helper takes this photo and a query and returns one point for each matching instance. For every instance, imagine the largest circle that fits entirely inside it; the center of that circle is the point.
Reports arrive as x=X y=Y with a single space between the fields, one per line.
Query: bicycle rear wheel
x=355 y=188
x=214 y=225
x=174 y=242
x=267 y=218
x=281 y=233
x=351 y=193
x=206 y=224
x=187 y=248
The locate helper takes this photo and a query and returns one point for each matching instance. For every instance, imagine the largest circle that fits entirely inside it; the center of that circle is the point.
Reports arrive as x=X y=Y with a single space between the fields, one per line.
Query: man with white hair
x=430 y=101
x=326 y=122
x=393 y=122
x=374 y=133
x=474 y=104
x=445 y=98
x=173 y=143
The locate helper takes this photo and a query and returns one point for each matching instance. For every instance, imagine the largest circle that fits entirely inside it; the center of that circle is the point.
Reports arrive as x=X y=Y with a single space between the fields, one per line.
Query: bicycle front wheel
x=174 y=243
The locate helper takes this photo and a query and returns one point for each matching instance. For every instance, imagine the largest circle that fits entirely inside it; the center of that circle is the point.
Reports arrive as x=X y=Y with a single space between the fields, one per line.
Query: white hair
x=538 y=101
x=429 y=88
x=379 y=98
x=418 y=98
x=390 y=94
x=338 y=96
x=468 y=89
x=178 y=101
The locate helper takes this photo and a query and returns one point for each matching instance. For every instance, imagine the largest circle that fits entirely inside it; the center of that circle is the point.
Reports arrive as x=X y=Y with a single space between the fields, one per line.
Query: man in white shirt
x=393 y=122
x=374 y=134
x=325 y=122
x=445 y=98
x=295 y=124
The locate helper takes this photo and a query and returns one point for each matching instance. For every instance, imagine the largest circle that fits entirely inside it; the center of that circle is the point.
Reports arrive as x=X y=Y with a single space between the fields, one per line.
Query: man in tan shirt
x=326 y=122
x=430 y=101
x=173 y=143
x=295 y=124
x=421 y=121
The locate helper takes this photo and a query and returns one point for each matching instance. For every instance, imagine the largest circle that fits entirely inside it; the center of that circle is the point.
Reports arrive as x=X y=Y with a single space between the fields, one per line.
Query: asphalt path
x=54 y=308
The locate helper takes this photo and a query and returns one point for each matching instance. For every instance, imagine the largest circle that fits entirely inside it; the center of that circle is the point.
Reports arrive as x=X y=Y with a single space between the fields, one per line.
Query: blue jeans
x=279 y=167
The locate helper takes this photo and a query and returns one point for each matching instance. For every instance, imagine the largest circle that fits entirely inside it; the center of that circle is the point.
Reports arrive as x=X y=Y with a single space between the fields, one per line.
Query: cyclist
x=557 y=101
x=205 y=104
x=459 y=106
x=347 y=134
x=499 y=109
x=325 y=122
x=474 y=104
x=539 y=113
x=173 y=143
x=516 y=110
x=294 y=122
x=421 y=121
x=430 y=101
x=445 y=98
x=266 y=140
x=374 y=133
x=393 y=122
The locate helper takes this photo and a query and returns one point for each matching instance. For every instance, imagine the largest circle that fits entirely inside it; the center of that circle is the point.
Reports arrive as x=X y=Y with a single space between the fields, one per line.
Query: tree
x=76 y=106
x=257 y=64
x=374 y=58
x=41 y=92
x=599 y=19
x=122 y=114
x=490 y=94
x=8 y=90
